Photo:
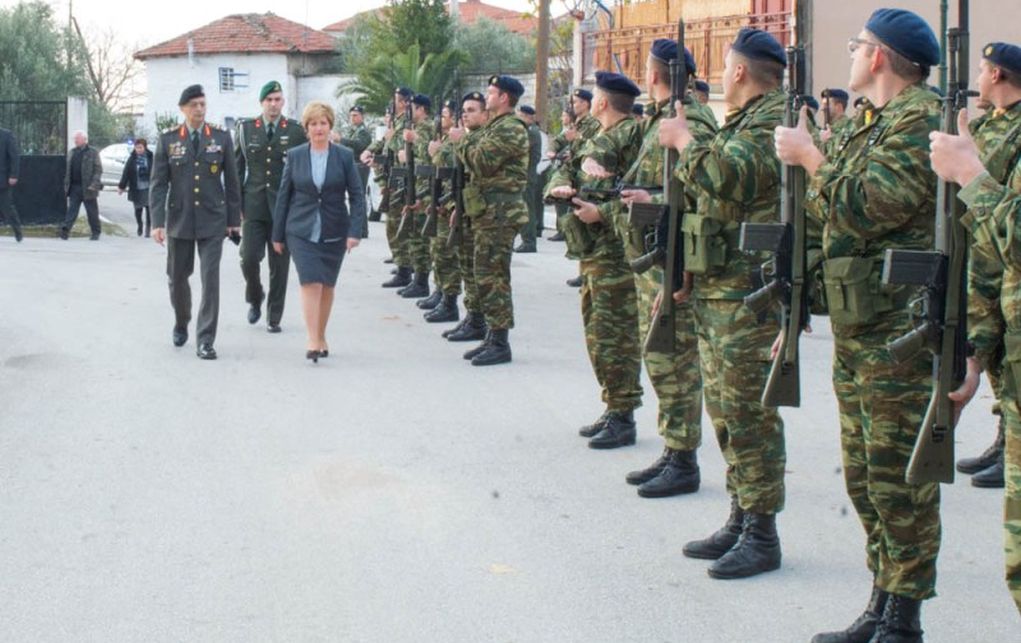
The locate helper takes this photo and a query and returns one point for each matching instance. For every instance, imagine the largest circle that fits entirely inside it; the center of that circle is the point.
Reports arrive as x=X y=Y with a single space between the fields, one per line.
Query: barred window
x=226 y=79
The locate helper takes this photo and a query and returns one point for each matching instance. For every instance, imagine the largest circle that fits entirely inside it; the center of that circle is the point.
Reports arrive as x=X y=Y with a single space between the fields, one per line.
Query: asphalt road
x=393 y=492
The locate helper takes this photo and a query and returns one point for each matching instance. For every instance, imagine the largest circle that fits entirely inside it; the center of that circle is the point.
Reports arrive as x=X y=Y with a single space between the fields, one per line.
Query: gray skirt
x=317 y=263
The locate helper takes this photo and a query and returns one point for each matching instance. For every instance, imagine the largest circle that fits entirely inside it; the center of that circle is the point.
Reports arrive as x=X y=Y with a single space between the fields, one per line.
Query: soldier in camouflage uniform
x=498 y=163
x=262 y=144
x=533 y=193
x=736 y=178
x=990 y=174
x=876 y=191
x=835 y=100
x=609 y=302
x=463 y=138
x=358 y=138
x=419 y=135
x=446 y=270
x=579 y=126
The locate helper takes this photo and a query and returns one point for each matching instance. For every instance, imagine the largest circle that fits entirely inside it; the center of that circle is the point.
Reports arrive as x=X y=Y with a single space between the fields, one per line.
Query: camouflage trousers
x=675 y=376
x=466 y=264
x=446 y=269
x=1012 y=492
x=733 y=349
x=398 y=247
x=881 y=407
x=418 y=245
x=493 y=248
x=609 y=311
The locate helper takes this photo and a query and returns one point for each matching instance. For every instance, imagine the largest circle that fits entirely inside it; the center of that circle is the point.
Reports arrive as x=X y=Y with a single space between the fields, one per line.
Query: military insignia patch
x=988 y=51
x=214 y=168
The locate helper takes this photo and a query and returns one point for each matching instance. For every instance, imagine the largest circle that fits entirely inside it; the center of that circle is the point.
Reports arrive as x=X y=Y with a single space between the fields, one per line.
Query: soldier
x=876 y=191
x=701 y=91
x=262 y=144
x=10 y=160
x=463 y=138
x=609 y=302
x=736 y=178
x=498 y=162
x=533 y=193
x=195 y=200
x=418 y=134
x=638 y=111
x=834 y=101
x=579 y=126
x=990 y=176
x=357 y=137
x=446 y=270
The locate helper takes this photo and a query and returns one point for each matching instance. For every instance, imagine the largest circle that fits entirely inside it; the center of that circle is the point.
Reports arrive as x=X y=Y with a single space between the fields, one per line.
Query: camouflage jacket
x=426 y=132
x=647 y=169
x=383 y=146
x=497 y=160
x=736 y=176
x=586 y=127
x=357 y=138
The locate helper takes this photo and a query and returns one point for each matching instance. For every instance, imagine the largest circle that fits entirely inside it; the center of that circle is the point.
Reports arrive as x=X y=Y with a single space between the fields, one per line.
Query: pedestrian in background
x=135 y=179
x=82 y=183
x=10 y=158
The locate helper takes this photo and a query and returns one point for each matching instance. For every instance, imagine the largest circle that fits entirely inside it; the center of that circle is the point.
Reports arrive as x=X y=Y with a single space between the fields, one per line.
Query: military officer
x=419 y=133
x=195 y=198
x=876 y=190
x=988 y=169
x=262 y=144
x=533 y=193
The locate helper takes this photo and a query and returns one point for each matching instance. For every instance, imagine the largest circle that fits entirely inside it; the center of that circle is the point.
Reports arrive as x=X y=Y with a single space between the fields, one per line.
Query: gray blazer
x=298 y=200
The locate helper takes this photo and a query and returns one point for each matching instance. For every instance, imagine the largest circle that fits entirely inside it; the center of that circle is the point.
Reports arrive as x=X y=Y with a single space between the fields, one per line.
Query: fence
x=41 y=130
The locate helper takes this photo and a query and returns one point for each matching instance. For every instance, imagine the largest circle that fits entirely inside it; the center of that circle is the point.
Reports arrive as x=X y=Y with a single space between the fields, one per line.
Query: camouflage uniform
x=586 y=127
x=446 y=270
x=533 y=193
x=994 y=306
x=398 y=248
x=358 y=139
x=474 y=207
x=417 y=244
x=876 y=191
x=498 y=162
x=736 y=176
x=675 y=376
x=609 y=302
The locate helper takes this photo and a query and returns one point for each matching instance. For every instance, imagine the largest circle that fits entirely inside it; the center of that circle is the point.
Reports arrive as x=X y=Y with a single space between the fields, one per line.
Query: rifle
x=435 y=175
x=784 y=273
x=386 y=162
x=939 y=313
x=827 y=117
x=600 y=195
x=457 y=182
x=407 y=173
x=662 y=330
x=564 y=156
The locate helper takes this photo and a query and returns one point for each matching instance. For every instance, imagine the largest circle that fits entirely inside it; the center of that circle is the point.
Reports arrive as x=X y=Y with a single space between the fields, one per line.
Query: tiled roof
x=470 y=11
x=246 y=33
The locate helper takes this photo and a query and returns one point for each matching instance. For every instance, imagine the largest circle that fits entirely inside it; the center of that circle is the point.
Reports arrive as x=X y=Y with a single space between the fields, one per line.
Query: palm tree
x=434 y=76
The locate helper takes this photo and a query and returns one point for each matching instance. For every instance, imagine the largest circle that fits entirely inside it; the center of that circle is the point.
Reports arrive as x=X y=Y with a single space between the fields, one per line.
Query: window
x=231 y=80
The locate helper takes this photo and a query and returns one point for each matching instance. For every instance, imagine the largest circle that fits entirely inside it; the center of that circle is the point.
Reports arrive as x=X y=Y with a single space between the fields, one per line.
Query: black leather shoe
x=474 y=329
x=591 y=430
x=557 y=237
x=619 y=431
x=430 y=302
x=472 y=352
x=525 y=247
x=206 y=351
x=447 y=311
x=255 y=310
x=678 y=476
x=864 y=627
x=988 y=457
x=901 y=621
x=18 y=235
x=644 y=475
x=375 y=215
x=574 y=283
x=991 y=478
x=63 y=234
x=180 y=336
x=312 y=355
x=498 y=351
x=720 y=542
x=94 y=236
x=757 y=550
x=273 y=328
x=400 y=280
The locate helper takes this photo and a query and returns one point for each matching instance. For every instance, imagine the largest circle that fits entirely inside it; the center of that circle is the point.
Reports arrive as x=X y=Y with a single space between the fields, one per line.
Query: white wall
x=323 y=88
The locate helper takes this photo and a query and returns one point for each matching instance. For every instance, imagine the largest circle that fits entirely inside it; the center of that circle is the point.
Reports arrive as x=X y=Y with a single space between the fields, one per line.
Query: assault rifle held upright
x=407 y=175
x=436 y=176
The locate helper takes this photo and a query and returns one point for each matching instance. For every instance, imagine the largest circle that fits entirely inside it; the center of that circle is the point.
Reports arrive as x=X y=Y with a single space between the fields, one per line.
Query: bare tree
x=113 y=70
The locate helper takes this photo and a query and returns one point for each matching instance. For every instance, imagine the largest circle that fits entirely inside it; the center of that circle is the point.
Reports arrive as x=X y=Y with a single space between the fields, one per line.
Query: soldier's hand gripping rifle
x=436 y=175
x=600 y=195
x=662 y=334
x=940 y=312
x=784 y=274
x=407 y=174
x=564 y=156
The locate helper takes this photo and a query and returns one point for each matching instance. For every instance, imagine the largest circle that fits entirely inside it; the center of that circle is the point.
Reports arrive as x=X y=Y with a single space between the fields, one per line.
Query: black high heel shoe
x=312 y=355
x=324 y=353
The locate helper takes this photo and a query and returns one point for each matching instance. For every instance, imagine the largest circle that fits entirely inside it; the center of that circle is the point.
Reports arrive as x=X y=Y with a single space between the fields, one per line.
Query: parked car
x=114 y=157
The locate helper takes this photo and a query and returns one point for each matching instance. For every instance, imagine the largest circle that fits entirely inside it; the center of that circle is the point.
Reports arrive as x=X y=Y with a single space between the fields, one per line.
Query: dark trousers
x=7 y=209
x=363 y=173
x=138 y=218
x=255 y=244
x=75 y=199
x=180 y=265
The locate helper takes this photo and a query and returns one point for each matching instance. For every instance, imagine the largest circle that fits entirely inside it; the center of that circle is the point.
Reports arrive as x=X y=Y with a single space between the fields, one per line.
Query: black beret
x=358 y=108
x=583 y=94
x=451 y=105
x=1003 y=55
x=701 y=86
x=616 y=83
x=508 y=85
x=638 y=109
x=405 y=92
x=812 y=103
x=476 y=96
x=759 y=45
x=190 y=92
x=665 y=50
x=422 y=100
x=527 y=109
x=907 y=34
x=836 y=94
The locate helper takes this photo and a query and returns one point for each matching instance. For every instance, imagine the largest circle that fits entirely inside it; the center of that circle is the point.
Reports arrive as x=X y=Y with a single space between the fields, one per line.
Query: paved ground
x=393 y=492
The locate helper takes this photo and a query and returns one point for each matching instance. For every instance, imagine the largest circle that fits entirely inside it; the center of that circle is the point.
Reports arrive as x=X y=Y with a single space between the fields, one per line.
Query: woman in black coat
x=312 y=219
x=137 y=170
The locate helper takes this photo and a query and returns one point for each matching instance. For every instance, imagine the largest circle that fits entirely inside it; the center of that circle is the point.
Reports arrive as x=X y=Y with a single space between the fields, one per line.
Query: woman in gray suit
x=312 y=219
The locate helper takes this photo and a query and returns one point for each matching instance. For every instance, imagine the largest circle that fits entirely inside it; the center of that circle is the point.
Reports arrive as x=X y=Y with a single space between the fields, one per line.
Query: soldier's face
x=273 y=105
x=401 y=103
x=447 y=118
x=494 y=98
x=420 y=114
x=194 y=110
x=863 y=53
x=599 y=104
x=580 y=105
x=357 y=118
x=730 y=66
x=984 y=80
x=473 y=114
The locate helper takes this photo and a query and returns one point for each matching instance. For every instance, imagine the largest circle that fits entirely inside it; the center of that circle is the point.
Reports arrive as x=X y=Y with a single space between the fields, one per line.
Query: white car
x=114 y=157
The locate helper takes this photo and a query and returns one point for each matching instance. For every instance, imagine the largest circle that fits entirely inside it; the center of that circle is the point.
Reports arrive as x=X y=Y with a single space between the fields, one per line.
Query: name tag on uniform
x=283 y=139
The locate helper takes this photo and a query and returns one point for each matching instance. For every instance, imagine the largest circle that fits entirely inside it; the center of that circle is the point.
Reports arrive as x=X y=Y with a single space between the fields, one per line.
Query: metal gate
x=41 y=130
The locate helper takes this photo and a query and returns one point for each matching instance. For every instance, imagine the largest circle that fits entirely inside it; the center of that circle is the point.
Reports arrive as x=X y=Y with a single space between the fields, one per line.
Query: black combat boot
x=590 y=430
x=991 y=478
x=430 y=302
x=757 y=550
x=644 y=475
x=473 y=329
x=678 y=476
x=524 y=246
x=864 y=628
x=375 y=215
x=450 y=331
x=417 y=288
x=988 y=457
x=399 y=280
x=575 y=282
x=618 y=431
x=497 y=352
x=719 y=543
x=447 y=311
x=901 y=621
x=472 y=352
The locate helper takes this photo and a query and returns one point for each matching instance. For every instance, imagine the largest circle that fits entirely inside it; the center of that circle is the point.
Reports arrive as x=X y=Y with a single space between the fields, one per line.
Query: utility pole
x=542 y=60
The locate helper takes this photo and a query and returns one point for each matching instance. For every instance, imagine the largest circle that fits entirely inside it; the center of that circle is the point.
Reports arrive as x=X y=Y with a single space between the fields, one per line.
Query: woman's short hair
x=317 y=109
x=141 y=141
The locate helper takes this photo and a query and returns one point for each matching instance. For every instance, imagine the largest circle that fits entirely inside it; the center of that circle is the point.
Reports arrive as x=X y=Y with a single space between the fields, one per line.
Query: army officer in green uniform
x=262 y=144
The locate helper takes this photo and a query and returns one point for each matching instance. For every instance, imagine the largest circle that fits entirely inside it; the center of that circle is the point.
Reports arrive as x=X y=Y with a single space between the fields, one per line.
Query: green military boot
x=498 y=351
x=399 y=280
x=757 y=550
x=720 y=542
x=679 y=475
x=430 y=302
x=901 y=621
x=447 y=311
x=473 y=329
x=864 y=628
x=418 y=288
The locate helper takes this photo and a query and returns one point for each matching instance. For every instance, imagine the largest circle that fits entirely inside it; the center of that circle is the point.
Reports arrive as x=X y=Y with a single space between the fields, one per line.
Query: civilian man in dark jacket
x=196 y=200
x=82 y=183
x=10 y=159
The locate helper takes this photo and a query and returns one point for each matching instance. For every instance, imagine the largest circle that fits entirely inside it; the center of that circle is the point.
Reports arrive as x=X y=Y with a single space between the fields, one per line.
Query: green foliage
x=166 y=120
x=494 y=48
x=433 y=76
x=421 y=22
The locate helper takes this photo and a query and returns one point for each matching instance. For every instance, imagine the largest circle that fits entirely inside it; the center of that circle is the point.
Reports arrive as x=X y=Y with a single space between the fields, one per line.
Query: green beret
x=269 y=88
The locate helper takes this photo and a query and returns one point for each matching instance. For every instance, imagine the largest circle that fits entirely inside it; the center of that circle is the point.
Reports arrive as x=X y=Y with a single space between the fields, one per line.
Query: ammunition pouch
x=854 y=292
x=706 y=241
